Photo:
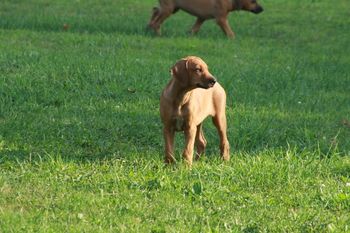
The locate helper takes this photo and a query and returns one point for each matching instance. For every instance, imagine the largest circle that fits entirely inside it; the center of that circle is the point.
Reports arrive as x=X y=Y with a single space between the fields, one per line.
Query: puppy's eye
x=198 y=70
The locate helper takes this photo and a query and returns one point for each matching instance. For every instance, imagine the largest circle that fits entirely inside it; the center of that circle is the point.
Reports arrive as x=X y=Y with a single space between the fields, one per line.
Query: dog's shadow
x=116 y=20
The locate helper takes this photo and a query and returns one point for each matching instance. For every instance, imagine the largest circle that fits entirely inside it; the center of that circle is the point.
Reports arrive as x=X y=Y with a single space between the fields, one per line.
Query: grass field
x=81 y=148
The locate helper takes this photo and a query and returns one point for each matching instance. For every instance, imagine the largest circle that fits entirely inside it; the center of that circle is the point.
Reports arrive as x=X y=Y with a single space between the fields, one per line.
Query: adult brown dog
x=203 y=10
x=190 y=96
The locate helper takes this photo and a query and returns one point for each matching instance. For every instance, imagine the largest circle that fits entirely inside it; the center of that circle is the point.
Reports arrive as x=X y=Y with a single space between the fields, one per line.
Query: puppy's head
x=192 y=72
x=250 y=5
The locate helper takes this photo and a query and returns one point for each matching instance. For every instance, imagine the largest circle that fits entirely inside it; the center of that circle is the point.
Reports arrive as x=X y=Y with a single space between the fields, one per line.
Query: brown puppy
x=190 y=96
x=203 y=9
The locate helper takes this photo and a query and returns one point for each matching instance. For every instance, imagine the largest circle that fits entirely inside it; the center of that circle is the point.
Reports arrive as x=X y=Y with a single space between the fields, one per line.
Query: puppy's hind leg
x=220 y=123
x=200 y=142
x=190 y=135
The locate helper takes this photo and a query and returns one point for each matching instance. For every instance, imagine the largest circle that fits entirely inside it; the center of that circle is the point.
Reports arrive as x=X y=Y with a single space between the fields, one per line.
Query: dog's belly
x=201 y=9
x=201 y=14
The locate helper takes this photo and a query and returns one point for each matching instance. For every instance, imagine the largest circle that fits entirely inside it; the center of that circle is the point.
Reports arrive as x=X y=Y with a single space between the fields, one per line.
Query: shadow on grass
x=95 y=138
x=126 y=134
x=135 y=23
x=137 y=29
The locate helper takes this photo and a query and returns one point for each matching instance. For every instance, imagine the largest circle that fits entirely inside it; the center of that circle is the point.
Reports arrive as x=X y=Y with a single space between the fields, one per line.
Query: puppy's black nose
x=212 y=81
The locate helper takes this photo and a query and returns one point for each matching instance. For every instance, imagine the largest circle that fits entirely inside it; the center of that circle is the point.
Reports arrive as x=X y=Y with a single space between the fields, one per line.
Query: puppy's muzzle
x=211 y=82
x=257 y=10
x=207 y=83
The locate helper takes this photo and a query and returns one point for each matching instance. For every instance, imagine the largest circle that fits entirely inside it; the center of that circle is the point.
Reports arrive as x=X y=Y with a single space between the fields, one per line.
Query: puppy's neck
x=178 y=94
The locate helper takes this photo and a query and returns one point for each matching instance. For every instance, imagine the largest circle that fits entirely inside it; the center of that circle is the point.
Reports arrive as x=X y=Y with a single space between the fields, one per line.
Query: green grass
x=81 y=148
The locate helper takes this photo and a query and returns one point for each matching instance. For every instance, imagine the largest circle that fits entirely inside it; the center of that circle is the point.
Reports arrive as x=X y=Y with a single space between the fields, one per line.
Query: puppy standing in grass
x=190 y=96
x=203 y=10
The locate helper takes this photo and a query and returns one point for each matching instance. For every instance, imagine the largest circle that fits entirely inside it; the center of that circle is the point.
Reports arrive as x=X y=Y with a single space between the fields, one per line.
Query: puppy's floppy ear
x=187 y=62
x=173 y=70
x=180 y=70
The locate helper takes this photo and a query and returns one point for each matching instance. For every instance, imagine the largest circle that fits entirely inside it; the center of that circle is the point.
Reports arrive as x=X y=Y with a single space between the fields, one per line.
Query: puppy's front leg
x=169 y=135
x=190 y=135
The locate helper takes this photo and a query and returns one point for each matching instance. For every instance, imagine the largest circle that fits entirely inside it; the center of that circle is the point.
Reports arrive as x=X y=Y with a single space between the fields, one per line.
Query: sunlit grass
x=80 y=136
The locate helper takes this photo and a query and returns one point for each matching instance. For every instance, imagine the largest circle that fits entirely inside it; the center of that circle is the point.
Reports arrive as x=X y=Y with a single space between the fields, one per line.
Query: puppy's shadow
x=95 y=138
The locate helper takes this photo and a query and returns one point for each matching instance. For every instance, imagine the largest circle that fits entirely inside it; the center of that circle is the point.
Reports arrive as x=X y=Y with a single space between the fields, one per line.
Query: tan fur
x=190 y=96
x=203 y=10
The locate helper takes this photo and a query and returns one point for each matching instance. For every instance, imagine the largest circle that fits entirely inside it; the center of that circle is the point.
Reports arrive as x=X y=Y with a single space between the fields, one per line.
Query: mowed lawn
x=81 y=148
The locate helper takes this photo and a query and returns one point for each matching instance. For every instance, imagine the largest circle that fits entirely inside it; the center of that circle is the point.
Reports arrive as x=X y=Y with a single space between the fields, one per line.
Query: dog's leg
x=190 y=135
x=154 y=19
x=155 y=15
x=223 y=23
x=197 y=25
x=220 y=123
x=165 y=9
x=200 y=141
x=163 y=15
x=169 y=135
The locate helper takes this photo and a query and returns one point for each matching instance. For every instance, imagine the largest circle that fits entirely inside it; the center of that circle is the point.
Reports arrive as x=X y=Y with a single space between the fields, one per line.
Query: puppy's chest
x=180 y=120
x=179 y=123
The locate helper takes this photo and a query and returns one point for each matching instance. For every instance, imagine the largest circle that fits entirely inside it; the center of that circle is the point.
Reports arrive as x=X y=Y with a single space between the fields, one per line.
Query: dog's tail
x=154 y=16
x=155 y=12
